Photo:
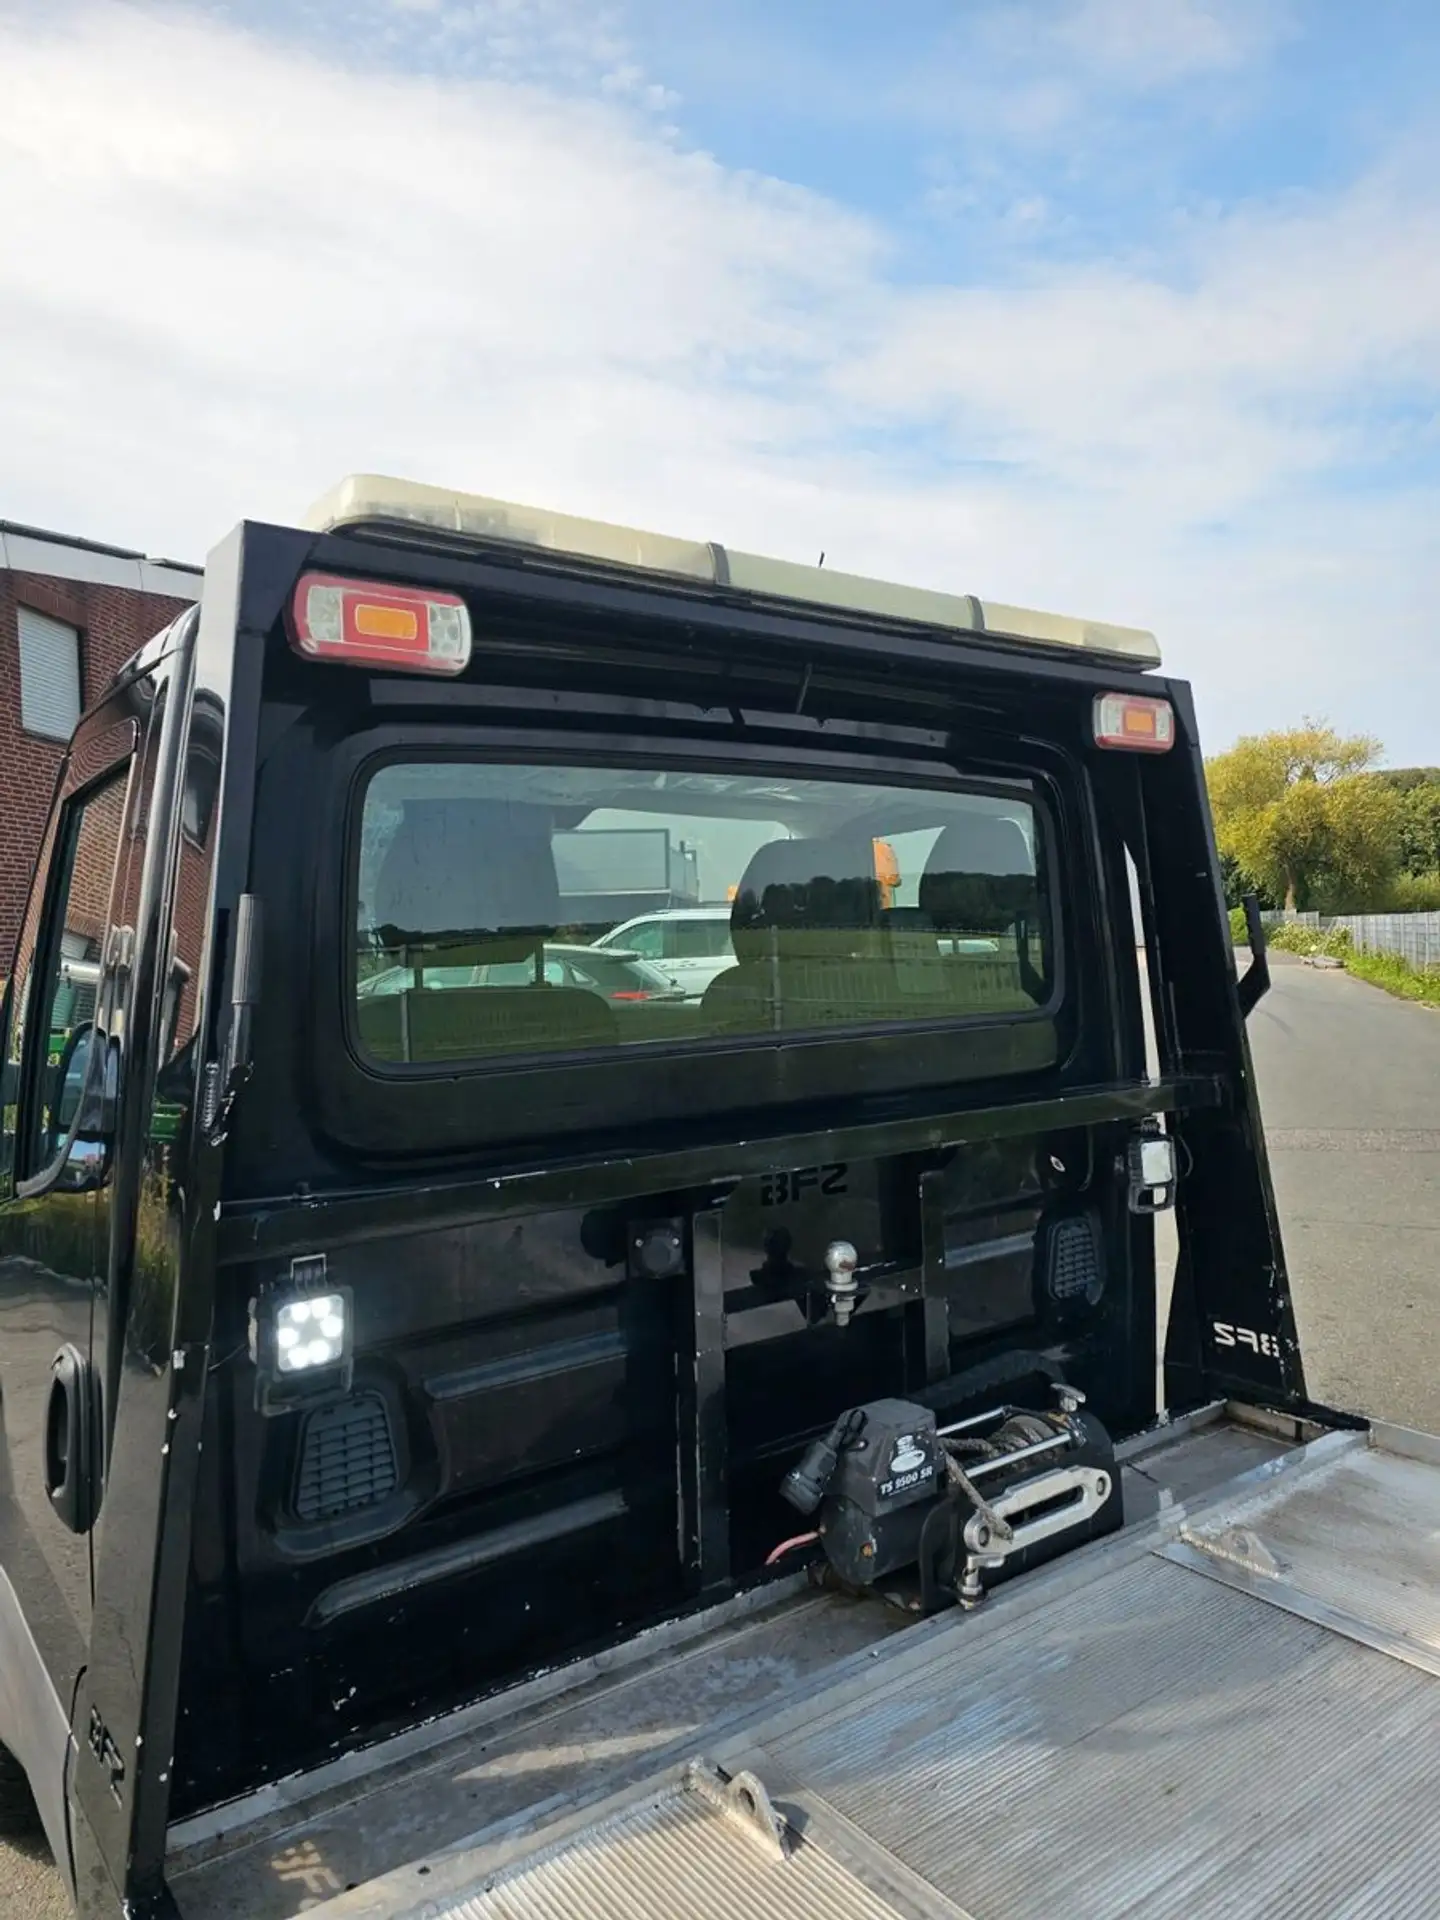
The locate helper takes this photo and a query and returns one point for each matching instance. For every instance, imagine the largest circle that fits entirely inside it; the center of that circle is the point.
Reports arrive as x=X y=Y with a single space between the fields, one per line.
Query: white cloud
x=575 y=41
x=234 y=271
x=1064 y=76
x=1156 y=42
x=1240 y=371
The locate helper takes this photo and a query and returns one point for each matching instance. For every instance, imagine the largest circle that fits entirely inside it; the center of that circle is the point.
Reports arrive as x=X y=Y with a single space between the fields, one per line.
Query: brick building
x=71 y=612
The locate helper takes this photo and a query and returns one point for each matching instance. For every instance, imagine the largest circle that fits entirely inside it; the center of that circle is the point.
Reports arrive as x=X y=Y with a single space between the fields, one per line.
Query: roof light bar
x=362 y=623
x=1132 y=723
x=375 y=501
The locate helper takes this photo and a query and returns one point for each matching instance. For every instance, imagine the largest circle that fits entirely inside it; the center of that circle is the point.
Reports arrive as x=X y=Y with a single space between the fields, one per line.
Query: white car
x=691 y=944
x=621 y=977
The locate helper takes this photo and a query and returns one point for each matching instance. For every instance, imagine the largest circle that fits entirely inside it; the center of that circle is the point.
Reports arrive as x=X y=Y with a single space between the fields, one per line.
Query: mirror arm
x=225 y=1079
x=1255 y=982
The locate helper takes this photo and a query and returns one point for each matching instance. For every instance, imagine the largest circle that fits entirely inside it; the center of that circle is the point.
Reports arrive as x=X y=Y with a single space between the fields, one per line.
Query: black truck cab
x=398 y=1299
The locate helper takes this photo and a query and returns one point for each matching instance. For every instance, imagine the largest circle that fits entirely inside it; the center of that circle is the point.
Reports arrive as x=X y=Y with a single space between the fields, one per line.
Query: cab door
x=59 y=1032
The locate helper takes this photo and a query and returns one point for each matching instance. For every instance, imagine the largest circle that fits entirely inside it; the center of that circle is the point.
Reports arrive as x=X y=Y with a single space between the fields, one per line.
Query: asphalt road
x=1350 y=1089
x=1350 y=1092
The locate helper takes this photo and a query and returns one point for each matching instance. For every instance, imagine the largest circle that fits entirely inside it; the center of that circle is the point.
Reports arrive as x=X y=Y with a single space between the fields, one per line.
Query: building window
x=49 y=675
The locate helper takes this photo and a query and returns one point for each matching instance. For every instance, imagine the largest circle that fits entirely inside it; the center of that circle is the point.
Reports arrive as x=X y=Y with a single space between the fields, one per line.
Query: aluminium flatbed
x=1230 y=1708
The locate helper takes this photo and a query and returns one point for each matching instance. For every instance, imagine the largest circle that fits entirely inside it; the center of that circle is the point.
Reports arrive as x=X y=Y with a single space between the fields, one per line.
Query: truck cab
x=405 y=1341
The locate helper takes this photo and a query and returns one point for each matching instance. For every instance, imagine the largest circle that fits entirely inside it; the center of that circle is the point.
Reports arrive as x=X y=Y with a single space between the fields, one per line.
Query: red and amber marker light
x=1134 y=723
x=362 y=623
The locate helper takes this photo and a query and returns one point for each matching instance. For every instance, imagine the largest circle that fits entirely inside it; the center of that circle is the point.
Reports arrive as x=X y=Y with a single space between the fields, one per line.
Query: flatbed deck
x=1230 y=1708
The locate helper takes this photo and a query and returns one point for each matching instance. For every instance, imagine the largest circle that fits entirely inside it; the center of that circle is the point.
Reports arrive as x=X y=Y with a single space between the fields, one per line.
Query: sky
x=1121 y=308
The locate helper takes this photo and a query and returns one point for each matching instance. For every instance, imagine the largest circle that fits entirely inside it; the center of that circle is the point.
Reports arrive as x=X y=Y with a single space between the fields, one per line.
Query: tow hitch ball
x=841 y=1284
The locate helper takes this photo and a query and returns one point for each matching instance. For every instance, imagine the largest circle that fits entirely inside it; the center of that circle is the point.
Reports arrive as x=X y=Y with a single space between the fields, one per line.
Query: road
x=1350 y=1089
x=1350 y=1092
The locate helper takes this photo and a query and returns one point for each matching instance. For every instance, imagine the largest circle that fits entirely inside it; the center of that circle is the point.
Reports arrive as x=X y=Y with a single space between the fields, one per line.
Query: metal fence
x=1413 y=936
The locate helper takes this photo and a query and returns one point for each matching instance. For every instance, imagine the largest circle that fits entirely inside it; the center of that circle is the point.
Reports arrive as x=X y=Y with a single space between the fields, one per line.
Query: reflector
x=1134 y=723
x=363 y=623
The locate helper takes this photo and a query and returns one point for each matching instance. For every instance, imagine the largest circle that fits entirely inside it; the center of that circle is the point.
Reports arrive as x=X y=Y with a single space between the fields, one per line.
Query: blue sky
x=1128 y=308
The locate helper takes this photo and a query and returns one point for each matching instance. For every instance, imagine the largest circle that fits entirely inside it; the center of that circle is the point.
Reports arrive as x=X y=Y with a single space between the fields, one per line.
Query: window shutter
x=49 y=675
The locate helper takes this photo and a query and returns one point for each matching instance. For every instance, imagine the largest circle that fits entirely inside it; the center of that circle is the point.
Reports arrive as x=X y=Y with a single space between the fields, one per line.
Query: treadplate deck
x=1158 y=1745
x=1354 y=1545
x=1146 y=1743
x=675 y=1853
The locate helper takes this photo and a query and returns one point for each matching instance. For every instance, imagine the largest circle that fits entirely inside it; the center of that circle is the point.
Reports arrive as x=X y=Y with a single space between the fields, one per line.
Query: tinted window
x=73 y=944
x=699 y=939
x=648 y=940
x=851 y=905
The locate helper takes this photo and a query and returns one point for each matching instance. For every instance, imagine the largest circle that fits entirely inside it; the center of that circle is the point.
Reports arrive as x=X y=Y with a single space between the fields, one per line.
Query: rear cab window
x=850 y=905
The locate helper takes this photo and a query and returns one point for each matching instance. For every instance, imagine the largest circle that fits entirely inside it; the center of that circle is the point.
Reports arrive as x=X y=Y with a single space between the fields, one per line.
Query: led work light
x=302 y=1338
x=1152 y=1170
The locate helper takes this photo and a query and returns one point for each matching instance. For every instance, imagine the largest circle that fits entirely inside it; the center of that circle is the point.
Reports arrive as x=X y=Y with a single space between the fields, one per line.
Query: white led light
x=325 y=611
x=1157 y=1163
x=310 y=1333
x=449 y=633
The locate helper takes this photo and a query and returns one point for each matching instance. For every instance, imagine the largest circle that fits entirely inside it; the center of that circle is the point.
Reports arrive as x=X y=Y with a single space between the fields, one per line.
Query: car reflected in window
x=622 y=979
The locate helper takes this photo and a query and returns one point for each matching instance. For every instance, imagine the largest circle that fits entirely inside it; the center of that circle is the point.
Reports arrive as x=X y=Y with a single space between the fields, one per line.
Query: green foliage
x=1420 y=828
x=1236 y=883
x=1305 y=819
x=1239 y=933
x=1405 y=779
x=1396 y=976
x=1293 y=938
x=1414 y=893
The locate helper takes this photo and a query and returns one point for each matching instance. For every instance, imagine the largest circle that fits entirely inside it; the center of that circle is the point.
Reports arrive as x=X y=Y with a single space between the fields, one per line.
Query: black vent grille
x=1074 y=1261
x=347 y=1459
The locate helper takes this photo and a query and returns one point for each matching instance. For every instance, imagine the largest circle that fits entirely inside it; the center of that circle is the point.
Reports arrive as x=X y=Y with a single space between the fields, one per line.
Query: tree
x=1303 y=815
x=1419 y=827
x=1403 y=779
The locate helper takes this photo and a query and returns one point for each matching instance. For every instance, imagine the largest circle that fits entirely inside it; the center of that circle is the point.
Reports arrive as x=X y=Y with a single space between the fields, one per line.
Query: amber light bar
x=1134 y=723
x=362 y=623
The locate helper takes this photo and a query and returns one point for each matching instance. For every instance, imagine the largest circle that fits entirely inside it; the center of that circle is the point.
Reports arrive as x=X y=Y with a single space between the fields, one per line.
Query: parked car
x=623 y=979
x=691 y=944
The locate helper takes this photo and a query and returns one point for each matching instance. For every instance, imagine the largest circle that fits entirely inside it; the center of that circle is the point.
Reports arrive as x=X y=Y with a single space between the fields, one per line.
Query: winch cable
x=960 y=1482
x=1022 y=1430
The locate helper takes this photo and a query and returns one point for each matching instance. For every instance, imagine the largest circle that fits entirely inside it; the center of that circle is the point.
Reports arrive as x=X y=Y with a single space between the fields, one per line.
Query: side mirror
x=87 y=1086
x=79 y=1085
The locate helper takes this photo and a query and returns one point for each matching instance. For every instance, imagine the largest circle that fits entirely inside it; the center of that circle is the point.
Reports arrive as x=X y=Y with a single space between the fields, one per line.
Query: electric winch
x=962 y=1505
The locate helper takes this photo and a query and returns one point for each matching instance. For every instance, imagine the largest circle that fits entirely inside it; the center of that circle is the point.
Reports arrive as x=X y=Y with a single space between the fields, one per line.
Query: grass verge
x=1385 y=970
